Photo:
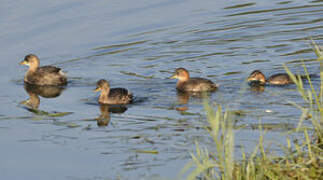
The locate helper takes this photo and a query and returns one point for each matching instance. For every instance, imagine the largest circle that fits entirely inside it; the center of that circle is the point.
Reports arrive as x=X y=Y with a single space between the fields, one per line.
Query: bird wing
x=49 y=69
x=199 y=84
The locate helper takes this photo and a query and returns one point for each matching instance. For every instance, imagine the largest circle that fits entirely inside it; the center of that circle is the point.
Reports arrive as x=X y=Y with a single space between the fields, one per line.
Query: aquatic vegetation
x=45 y=113
x=147 y=151
x=303 y=158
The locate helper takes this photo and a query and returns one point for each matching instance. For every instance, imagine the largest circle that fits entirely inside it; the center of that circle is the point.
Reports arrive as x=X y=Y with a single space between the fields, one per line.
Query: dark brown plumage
x=278 y=79
x=46 y=75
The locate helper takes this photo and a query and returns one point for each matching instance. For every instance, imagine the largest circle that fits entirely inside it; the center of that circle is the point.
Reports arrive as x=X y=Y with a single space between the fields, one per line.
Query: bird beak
x=173 y=77
x=96 y=89
x=23 y=62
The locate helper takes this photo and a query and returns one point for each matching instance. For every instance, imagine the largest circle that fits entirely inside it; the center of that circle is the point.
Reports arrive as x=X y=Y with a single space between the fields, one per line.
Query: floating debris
x=147 y=151
x=269 y=111
x=45 y=113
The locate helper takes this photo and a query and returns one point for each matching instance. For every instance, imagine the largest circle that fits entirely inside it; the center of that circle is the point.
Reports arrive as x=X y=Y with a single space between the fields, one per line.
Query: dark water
x=137 y=45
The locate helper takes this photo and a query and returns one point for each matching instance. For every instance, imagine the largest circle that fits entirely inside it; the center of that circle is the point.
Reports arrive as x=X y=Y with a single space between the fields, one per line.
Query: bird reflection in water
x=44 y=91
x=104 y=118
x=256 y=87
x=183 y=98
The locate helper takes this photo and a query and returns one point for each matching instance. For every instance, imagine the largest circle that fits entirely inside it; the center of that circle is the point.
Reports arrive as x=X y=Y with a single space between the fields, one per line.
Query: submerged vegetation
x=303 y=159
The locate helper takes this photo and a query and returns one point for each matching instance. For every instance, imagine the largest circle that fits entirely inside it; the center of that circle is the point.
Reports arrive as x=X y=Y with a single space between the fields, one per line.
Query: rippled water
x=137 y=46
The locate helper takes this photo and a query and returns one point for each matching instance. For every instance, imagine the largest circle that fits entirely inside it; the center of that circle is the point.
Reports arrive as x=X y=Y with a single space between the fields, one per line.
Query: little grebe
x=114 y=95
x=276 y=79
x=42 y=76
x=194 y=84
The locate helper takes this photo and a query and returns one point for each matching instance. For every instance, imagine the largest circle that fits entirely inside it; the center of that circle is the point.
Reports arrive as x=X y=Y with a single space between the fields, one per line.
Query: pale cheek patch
x=62 y=73
x=180 y=78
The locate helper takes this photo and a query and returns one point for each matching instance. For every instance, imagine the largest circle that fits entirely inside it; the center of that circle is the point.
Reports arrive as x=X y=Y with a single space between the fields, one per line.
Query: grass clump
x=206 y=162
x=301 y=160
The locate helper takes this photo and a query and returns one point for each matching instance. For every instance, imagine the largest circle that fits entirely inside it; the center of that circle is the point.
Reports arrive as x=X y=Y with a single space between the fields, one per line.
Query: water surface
x=137 y=46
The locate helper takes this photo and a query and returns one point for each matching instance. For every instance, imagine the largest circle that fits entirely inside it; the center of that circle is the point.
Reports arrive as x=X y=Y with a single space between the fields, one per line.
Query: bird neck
x=183 y=77
x=104 y=94
x=182 y=80
x=33 y=67
x=180 y=84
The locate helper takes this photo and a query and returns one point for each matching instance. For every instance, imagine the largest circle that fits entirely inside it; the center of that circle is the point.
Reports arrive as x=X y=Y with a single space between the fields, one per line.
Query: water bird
x=257 y=77
x=42 y=76
x=112 y=95
x=186 y=83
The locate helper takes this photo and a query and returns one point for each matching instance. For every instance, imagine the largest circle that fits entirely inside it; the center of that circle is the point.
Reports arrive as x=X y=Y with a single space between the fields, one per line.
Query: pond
x=137 y=46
